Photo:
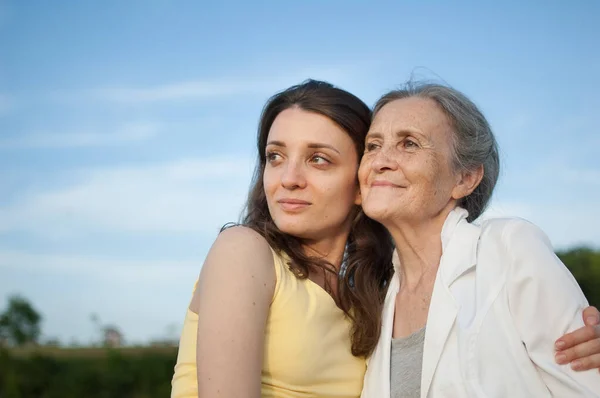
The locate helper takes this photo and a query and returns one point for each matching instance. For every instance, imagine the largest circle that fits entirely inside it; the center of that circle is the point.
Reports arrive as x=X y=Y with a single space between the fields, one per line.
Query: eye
x=409 y=143
x=371 y=146
x=272 y=156
x=319 y=160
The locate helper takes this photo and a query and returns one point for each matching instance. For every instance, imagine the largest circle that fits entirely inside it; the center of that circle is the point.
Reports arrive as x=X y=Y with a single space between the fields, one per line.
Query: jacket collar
x=459 y=246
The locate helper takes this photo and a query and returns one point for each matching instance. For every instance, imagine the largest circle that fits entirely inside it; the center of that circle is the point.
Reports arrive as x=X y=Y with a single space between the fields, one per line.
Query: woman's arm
x=232 y=298
x=545 y=302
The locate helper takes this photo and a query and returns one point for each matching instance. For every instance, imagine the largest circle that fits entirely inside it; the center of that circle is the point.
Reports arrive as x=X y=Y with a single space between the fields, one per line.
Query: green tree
x=20 y=322
x=584 y=264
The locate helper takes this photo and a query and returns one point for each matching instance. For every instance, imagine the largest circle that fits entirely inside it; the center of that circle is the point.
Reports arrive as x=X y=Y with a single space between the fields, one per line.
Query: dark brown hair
x=368 y=259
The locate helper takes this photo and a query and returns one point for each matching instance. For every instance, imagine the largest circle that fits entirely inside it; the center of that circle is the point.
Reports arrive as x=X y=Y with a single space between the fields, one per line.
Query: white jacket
x=500 y=300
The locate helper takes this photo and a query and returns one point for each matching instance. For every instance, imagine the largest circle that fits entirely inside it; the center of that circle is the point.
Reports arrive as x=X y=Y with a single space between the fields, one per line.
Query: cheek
x=432 y=172
x=363 y=172
x=269 y=182
x=438 y=177
x=343 y=190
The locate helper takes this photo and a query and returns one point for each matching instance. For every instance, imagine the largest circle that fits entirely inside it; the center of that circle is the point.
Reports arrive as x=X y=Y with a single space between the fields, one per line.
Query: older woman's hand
x=581 y=347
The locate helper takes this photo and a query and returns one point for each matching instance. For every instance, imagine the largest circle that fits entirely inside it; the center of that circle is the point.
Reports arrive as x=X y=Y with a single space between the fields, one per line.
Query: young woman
x=270 y=315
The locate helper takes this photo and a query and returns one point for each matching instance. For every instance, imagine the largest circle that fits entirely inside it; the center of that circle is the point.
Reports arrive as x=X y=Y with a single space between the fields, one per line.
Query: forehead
x=297 y=125
x=414 y=112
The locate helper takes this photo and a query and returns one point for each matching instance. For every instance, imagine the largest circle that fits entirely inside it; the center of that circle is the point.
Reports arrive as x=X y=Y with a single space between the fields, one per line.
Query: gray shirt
x=405 y=366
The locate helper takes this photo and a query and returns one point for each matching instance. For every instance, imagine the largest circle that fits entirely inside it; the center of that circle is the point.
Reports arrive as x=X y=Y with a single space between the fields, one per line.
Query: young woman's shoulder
x=232 y=300
x=240 y=261
x=241 y=249
x=243 y=238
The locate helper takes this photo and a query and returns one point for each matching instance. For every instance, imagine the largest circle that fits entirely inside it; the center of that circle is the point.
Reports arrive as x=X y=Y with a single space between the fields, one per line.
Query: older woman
x=472 y=310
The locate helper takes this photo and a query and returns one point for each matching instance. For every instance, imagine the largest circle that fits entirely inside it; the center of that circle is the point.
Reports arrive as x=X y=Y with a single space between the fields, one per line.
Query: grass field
x=91 y=352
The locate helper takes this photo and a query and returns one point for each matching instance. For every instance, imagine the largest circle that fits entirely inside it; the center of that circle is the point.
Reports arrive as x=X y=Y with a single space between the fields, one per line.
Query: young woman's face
x=310 y=176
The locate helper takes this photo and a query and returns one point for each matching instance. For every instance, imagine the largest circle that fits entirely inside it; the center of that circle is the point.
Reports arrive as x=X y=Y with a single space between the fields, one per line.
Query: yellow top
x=307 y=345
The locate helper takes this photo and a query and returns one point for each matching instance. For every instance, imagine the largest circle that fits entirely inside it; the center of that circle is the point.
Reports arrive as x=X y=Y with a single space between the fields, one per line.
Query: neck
x=330 y=249
x=419 y=245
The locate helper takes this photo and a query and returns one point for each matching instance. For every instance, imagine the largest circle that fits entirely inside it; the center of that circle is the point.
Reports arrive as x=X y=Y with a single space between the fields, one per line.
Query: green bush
x=91 y=373
x=584 y=264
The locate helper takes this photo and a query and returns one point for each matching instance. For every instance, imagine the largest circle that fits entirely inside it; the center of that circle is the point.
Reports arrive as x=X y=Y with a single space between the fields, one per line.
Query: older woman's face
x=406 y=173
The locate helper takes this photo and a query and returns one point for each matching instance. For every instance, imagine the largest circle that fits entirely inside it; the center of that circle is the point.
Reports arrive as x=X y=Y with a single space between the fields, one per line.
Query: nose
x=293 y=176
x=384 y=160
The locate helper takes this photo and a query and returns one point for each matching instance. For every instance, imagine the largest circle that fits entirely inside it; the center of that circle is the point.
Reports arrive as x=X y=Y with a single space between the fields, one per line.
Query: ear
x=467 y=182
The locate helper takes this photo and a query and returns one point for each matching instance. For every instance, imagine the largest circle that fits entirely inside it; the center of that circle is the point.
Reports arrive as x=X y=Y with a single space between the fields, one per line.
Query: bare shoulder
x=243 y=251
x=242 y=243
x=239 y=262
x=242 y=235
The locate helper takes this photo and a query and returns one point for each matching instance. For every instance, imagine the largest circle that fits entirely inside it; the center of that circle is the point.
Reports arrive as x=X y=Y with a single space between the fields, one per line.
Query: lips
x=384 y=183
x=293 y=204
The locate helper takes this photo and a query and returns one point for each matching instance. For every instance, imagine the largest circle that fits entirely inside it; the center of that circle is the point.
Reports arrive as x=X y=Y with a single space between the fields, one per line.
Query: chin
x=377 y=211
x=295 y=228
x=300 y=233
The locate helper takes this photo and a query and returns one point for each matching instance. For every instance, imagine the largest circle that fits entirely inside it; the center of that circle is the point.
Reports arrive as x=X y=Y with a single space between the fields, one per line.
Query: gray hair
x=474 y=143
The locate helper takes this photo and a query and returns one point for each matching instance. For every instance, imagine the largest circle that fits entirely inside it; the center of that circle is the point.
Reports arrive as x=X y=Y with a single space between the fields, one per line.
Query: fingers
x=588 y=351
x=581 y=335
x=591 y=362
x=591 y=316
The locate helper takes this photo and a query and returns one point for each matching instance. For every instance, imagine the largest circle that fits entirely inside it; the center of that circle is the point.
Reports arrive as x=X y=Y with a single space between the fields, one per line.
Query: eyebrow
x=374 y=135
x=313 y=145
x=398 y=133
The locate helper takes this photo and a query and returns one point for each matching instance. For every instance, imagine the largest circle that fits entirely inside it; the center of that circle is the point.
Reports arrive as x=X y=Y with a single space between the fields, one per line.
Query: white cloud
x=176 y=91
x=96 y=267
x=188 y=195
x=157 y=292
x=129 y=133
x=221 y=87
x=192 y=195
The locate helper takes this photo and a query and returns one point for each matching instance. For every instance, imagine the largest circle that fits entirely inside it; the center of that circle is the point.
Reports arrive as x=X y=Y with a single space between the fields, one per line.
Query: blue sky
x=127 y=128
